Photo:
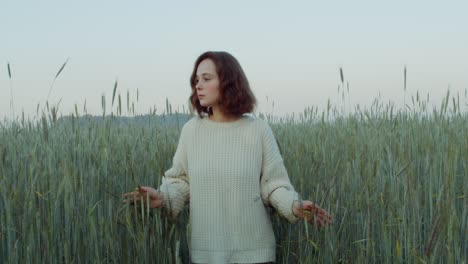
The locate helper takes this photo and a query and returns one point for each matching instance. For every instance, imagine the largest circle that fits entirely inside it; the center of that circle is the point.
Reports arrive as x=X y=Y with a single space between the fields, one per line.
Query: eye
x=206 y=79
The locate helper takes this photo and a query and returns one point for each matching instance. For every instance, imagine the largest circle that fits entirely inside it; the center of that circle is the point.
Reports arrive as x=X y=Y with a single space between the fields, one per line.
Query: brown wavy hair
x=236 y=97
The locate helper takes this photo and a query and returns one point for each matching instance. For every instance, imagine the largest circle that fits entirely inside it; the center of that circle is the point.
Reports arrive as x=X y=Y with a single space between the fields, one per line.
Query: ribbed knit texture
x=228 y=172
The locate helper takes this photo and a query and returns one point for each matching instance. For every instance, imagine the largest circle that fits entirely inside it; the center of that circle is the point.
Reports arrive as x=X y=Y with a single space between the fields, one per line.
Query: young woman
x=228 y=168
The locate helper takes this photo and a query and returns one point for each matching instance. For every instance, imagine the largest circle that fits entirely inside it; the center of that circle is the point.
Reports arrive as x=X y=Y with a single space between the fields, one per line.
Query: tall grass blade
x=128 y=102
x=341 y=75
x=113 y=93
x=61 y=68
x=103 y=105
x=12 y=105
x=404 y=74
x=120 y=105
x=55 y=78
x=9 y=70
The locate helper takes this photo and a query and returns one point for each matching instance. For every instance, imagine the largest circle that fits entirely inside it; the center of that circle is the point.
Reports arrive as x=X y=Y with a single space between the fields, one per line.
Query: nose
x=197 y=86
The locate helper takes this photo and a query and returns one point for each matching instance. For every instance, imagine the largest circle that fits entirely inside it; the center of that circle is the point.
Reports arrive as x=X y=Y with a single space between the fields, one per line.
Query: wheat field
x=395 y=182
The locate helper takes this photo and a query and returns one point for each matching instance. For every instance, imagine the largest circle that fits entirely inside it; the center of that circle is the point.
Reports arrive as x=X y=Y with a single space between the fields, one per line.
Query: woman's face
x=207 y=83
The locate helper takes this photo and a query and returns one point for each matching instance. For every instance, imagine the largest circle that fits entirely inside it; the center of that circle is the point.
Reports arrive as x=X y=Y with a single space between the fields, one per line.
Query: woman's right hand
x=156 y=197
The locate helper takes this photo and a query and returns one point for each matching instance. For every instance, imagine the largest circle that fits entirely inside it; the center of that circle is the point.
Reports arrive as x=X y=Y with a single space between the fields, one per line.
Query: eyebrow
x=205 y=74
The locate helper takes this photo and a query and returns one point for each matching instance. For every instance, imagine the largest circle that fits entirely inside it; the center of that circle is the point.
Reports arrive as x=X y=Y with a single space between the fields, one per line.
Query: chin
x=205 y=104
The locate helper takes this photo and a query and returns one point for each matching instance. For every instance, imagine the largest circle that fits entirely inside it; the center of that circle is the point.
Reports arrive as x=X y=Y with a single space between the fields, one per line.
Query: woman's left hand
x=313 y=213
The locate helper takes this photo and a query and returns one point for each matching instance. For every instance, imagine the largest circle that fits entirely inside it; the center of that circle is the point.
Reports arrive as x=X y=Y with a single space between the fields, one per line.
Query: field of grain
x=395 y=182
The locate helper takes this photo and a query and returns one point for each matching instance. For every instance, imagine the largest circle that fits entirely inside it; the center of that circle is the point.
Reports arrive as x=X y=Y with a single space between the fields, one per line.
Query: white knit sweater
x=228 y=172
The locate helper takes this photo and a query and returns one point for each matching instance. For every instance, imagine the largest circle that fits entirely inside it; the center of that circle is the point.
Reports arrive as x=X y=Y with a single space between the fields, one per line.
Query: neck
x=219 y=116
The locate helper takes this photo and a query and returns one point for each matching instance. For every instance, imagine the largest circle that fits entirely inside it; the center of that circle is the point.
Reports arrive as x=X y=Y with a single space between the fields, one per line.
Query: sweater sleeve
x=276 y=188
x=175 y=182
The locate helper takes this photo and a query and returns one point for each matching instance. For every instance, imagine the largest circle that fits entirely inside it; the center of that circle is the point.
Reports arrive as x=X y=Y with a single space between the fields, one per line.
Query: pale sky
x=291 y=51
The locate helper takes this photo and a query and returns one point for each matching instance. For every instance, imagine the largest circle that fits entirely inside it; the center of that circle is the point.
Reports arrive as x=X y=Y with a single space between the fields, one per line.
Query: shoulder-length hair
x=236 y=97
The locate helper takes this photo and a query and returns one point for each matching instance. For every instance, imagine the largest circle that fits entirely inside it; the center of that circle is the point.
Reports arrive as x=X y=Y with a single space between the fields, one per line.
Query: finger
x=316 y=209
x=319 y=222
x=314 y=206
x=327 y=215
x=135 y=196
x=322 y=213
x=306 y=212
x=311 y=211
x=146 y=189
x=325 y=219
x=130 y=200
x=311 y=220
x=309 y=207
x=126 y=194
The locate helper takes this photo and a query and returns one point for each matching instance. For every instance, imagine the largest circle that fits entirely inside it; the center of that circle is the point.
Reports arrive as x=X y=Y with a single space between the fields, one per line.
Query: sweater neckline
x=210 y=123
